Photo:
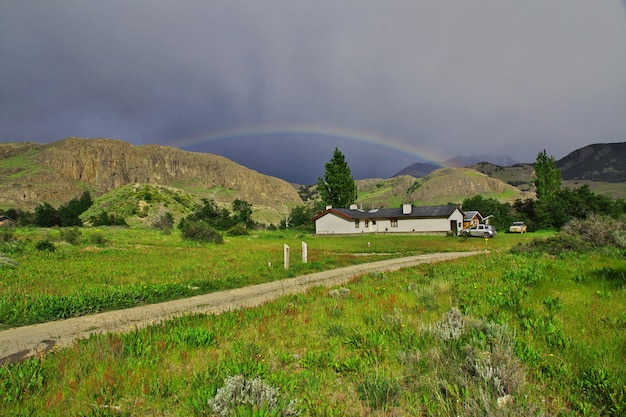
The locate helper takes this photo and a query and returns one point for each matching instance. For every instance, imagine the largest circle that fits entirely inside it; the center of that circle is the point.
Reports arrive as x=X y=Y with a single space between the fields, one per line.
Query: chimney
x=354 y=207
x=407 y=208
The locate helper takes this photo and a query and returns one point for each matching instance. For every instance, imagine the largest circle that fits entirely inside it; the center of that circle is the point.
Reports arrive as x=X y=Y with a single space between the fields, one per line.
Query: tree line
x=554 y=206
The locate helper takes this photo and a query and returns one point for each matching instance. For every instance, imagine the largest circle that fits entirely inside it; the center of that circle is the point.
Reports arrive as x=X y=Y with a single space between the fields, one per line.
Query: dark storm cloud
x=444 y=78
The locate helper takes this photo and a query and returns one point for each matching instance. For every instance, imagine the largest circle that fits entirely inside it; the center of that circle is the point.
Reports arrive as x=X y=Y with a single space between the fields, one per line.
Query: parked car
x=518 y=227
x=480 y=230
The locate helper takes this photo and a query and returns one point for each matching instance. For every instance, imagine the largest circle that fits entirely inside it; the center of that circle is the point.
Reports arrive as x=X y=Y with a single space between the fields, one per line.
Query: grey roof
x=392 y=213
x=469 y=215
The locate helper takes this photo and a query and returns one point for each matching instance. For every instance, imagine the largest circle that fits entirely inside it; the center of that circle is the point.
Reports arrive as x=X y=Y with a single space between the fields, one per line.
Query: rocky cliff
x=56 y=172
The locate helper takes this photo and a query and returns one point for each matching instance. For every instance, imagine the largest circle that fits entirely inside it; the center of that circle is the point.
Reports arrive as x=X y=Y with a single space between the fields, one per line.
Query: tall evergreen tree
x=337 y=187
x=46 y=215
x=548 y=210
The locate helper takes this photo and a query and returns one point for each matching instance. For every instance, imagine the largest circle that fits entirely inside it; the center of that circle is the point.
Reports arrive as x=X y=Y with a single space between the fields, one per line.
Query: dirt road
x=22 y=342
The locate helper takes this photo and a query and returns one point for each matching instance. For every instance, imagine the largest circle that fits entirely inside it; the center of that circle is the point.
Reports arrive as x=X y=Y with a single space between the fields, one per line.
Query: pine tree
x=337 y=188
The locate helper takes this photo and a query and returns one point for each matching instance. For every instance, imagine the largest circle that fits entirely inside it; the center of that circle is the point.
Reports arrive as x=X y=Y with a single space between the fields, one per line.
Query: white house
x=408 y=219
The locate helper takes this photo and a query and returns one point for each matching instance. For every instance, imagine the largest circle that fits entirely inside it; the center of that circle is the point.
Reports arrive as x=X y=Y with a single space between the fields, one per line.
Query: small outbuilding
x=6 y=221
x=471 y=218
x=407 y=219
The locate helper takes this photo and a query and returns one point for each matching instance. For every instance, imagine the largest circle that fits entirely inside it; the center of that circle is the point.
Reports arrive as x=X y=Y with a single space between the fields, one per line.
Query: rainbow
x=304 y=130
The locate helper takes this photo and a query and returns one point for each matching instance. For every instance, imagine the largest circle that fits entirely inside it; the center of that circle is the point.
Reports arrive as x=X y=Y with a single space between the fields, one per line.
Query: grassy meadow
x=501 y=334
x=112 y=268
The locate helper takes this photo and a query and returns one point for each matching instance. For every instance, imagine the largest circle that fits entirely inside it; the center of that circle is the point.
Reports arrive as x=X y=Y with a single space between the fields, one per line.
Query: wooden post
x=286 y=256
x=304 y=253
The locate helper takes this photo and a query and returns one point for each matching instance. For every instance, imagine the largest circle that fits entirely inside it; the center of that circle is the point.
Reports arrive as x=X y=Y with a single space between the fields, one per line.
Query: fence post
x=286 y=256
x=304 y=253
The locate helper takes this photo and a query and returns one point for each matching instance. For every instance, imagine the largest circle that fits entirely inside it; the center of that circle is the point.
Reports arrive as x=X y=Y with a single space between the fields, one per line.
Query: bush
x=199 y=231
x=164 y=222
x=6 y=261
x=7 y=234
x=71 y=235
x=98 y=239
x=238 y=230
x=553 y=245
x=239 y=394
x=45 y=246
x=450 y=327
x=106 y=219
x=595 y=229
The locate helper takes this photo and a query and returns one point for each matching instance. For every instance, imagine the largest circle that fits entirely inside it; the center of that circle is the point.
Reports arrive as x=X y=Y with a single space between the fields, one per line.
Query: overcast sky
x=277 y=84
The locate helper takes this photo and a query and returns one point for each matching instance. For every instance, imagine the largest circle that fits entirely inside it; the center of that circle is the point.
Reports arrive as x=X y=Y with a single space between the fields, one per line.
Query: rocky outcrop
x=59 y=171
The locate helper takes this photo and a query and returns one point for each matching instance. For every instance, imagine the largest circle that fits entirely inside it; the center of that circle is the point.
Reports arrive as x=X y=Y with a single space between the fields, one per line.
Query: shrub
x=239 y=394
x=106 y=219
x=492 y=359
x=450 y=327
x=164 y=222
x=6 y=261
x=595 y=229
x=71 y=235
x=200 y=232
x=45 y=246
x=620 y=238
x=98 y=239
x=555 y=245
x=7 y=234
x=339 y=293
x=238 y=230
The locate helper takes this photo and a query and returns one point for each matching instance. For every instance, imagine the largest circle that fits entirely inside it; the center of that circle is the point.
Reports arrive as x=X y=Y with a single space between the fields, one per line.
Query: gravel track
x=20 y=343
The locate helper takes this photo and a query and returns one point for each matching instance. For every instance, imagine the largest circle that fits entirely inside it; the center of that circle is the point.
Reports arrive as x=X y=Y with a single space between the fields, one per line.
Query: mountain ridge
x=31 y=173
x=604 y=162
x=58 y=171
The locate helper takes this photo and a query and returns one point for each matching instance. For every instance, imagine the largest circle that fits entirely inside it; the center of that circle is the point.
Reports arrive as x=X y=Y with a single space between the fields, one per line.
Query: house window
x=394 y=222
x=356 y=224
x=367 y=223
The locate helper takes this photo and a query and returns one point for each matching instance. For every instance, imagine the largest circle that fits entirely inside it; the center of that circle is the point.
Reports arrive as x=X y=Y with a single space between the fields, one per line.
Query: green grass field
x=496 y=335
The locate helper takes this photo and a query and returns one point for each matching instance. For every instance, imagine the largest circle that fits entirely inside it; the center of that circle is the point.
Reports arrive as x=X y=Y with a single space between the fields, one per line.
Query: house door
x=453 y=226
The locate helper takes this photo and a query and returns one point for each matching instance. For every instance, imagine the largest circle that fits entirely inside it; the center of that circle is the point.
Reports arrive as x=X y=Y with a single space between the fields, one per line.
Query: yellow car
x=517 y=227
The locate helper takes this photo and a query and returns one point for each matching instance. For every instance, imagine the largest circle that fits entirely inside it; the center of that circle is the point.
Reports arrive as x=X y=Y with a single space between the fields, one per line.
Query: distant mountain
x=604 y=162
x=56 y=172
x=464 y=161
x=601 y=166
x=421 y=169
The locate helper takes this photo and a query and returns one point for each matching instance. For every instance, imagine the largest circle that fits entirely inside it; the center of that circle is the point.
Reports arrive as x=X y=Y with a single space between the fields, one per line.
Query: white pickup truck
x=480 y=230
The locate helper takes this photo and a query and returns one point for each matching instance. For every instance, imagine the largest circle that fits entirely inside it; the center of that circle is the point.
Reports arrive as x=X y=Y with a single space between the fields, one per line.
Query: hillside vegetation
x=442 y=186
x=59 y=171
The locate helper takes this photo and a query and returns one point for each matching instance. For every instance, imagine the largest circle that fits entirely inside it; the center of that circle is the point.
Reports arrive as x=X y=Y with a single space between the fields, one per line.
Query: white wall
x=333 y=224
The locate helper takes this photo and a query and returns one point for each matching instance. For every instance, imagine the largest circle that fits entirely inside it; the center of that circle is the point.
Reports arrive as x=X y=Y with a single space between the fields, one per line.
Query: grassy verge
x=114 y=268
x=497 y=335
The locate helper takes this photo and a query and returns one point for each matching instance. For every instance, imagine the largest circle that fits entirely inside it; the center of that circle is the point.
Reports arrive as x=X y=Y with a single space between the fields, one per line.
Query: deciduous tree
x=548 y=211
